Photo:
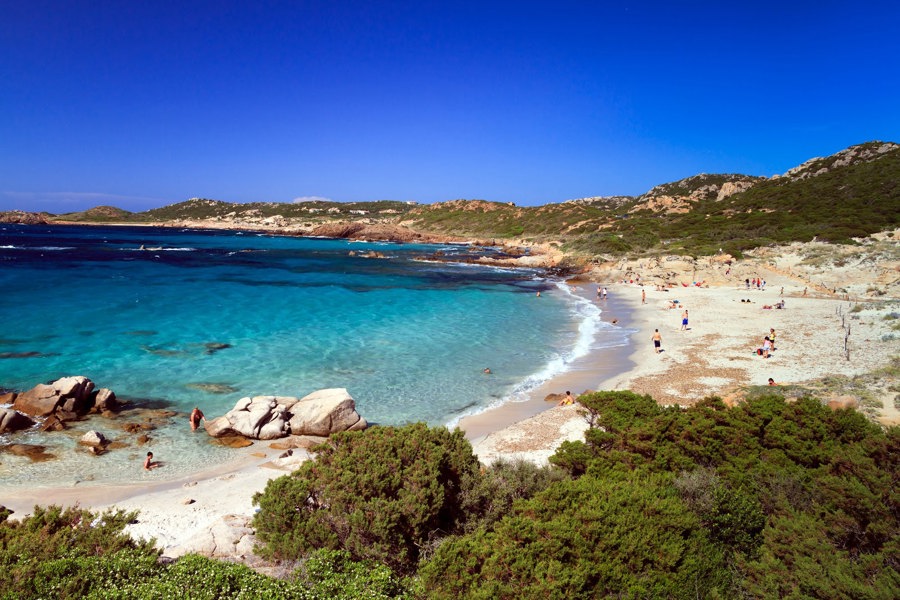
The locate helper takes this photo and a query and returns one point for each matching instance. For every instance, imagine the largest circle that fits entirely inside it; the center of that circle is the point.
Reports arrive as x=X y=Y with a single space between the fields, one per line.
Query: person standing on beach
x=196 y=417
x=643 y=296
x=657 y=341
x=684 y=320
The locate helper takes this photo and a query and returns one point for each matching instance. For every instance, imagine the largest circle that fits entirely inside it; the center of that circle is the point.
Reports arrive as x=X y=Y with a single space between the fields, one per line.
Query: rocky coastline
x=65 y=404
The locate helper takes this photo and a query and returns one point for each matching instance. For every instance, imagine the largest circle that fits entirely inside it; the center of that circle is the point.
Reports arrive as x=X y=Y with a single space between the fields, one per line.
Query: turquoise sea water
x=204 y=318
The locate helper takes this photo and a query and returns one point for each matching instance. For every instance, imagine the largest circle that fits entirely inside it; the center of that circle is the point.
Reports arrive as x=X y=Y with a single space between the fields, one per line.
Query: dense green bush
x=70 y=553
x=769 y=499
x=195 y=577
x=491 y=497
x=587 y=538
x=775 y=498
x=333 y=574
x=66 y=553
x=382 y=494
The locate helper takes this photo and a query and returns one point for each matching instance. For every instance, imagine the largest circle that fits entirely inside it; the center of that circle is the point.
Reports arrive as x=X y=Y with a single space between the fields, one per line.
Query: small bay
x=180 y=318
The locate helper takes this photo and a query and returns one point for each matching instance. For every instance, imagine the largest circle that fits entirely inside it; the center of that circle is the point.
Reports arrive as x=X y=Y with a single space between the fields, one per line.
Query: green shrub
x=506 y=481
x=66 y=553
x=585 y=538
x=381 y=494
x=334 y=575
x=195 y=577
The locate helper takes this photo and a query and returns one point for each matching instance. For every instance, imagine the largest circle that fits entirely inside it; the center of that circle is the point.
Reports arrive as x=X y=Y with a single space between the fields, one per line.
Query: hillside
x=839 y=198
x=849 y=195
x=99 y=214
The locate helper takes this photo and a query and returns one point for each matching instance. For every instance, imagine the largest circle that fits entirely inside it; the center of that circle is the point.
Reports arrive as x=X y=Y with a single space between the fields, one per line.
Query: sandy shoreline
x=209 y=511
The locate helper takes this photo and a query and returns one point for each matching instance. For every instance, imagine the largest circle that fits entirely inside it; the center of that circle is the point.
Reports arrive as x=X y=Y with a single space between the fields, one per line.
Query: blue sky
x=143 y=104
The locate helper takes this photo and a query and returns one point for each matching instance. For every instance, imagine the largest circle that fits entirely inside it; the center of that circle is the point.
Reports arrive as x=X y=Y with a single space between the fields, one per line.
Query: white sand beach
x=210 y=512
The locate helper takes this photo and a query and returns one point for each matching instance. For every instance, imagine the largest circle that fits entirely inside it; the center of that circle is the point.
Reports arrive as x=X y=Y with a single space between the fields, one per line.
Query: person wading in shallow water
x=149 y=463
x=196 y=417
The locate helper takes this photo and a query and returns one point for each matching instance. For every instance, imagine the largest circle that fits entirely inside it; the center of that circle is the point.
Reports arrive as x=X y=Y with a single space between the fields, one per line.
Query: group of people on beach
x=195 y=418
x=756 y=282
x=768 y=344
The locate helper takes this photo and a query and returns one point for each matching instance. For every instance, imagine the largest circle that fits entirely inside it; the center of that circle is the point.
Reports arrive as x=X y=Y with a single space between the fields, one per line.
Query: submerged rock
x=31 y=354
x=33 y=452
x=213 y=347
x=212 y=388
x=233 y=441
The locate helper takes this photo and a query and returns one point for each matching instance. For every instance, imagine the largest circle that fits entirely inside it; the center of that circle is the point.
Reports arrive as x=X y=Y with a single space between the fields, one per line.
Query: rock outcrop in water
x=66 y=399
x=11 y=420
x=270 y=417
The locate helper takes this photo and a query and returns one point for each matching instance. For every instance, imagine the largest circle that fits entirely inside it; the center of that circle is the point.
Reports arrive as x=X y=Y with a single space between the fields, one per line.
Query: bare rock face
x=39 y=401
x=290 y=460
x=271 y=417
x=12 y=420
x=219 y=427
x=303 y=442
x=841 y=402
x=25 y=218
x=231 y=538
x=70 y=396
x=105 y=401
x=53 y=423
x=94 y=439
x=325 y=412
x=258 y=418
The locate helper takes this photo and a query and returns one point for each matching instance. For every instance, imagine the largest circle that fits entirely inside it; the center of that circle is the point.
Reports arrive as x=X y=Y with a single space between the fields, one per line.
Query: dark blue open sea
x=205 y=317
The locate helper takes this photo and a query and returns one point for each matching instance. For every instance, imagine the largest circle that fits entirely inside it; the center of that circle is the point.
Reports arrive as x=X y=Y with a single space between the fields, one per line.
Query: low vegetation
x=769 y=499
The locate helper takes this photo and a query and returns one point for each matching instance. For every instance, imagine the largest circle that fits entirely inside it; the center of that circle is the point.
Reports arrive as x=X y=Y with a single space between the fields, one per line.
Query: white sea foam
x=589 y=325
x=158 y=249
x=40 y=248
